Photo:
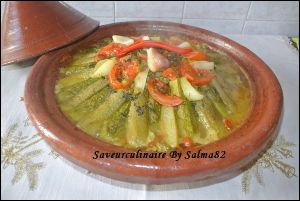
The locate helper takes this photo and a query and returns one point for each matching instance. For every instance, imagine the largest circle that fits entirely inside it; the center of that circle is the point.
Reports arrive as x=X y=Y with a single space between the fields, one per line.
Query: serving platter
x=241 y=146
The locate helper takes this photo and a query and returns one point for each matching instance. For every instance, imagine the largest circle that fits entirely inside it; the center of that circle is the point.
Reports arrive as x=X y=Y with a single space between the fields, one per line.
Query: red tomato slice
x=187 y=142
x=108 y=50
x=196 y=77
x=170 y=74
x=156 y=94
x=228 y=124
x=122 y=74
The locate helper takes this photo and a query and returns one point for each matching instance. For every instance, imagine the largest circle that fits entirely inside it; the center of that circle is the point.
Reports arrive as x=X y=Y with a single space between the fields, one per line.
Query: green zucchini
x=101 y=113
x=183 y=112
x=70 y=91
x=84 y=94
x=70 y=70
x=189 y=91
x=137 y=124
x=72 y=79
x=113 y=130
x=154 y=114
x=210 y=119
x=225 y=98
x=89 y=104
x=168 y=126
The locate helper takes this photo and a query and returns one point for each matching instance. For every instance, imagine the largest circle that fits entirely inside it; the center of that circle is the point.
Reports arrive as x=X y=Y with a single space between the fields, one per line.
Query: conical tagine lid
x=32 y=28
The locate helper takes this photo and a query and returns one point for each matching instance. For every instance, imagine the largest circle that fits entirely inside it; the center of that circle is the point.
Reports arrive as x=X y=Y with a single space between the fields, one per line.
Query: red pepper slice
x=108 y=50
x=154 y=88
x=169 y=73
x=196 y=77
x=122 y=74
x=197 y=56
x=148 y=43
x=228 y=124
x=187 y=142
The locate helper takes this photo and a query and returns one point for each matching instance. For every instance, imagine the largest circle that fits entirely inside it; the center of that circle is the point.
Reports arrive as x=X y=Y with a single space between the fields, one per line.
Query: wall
x=239 y=17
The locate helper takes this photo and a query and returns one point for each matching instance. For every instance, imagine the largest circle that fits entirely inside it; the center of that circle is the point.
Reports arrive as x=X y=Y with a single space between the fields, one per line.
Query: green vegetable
x=189 y=91
x=122 y=39
x=210 y=119
x=68 y=92
x=140 y=81
x=225 y=98
x=101 y=113
x=82 y=58
x=203 y=65
x=84 y=94
x=70 y=70
x=88 y=105
x=113 y=130
x=168 y=126
x=183 y=113
x=103 y=67
x=154 y=114
x=137 y=124
x=184 y=44
x=213 y=95
x=72 y=79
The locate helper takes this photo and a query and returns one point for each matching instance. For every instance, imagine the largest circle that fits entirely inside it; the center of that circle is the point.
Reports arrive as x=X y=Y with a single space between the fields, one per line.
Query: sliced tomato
x=108 y=50
x=197 y=56
x=169 y=73
x=154 y=87
x=196 y=77
x=187 y=142
x=228 y=124
x=122 y=74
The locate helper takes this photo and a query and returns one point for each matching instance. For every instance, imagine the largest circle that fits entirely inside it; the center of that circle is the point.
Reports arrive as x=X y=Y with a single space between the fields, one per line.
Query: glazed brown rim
x=242 y=146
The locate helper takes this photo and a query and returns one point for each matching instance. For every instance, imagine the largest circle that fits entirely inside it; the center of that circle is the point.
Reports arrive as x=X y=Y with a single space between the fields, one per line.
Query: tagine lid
x=32 y=28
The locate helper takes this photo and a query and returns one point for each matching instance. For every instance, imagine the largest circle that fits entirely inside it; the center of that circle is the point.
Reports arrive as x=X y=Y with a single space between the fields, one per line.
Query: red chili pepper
x=228 y=124
x=122 y=74
x=157 y=88
x=196 y=77
x=169 y=73
x=148 y=43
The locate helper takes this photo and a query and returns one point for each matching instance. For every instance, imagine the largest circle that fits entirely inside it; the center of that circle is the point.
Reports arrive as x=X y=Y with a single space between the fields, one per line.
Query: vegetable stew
x=153 y=93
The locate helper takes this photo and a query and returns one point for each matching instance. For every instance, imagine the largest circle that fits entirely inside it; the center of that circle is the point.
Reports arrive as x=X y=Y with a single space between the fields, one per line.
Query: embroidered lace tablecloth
x=31 y=170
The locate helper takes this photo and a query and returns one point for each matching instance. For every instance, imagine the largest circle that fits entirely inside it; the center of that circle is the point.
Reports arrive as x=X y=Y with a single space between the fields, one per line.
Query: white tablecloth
x=31 y=170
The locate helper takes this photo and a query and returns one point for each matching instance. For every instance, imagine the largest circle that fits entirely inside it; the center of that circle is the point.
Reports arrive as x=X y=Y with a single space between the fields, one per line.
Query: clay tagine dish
x=240 y=147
